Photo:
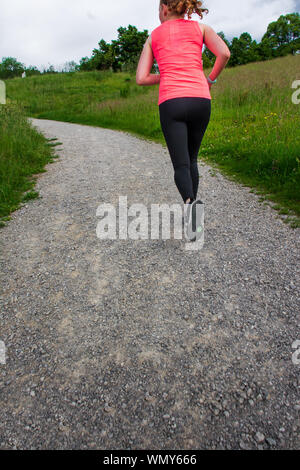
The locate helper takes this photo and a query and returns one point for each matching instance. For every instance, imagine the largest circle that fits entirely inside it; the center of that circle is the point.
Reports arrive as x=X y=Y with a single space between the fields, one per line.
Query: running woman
x=184 y=91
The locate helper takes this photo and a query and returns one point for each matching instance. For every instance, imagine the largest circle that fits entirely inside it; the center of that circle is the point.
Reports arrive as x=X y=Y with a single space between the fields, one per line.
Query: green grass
x=253 y=135
x=23 y=154
x=71 y=96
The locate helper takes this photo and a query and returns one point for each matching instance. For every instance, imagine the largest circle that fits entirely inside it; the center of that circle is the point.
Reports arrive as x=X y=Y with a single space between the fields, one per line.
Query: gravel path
x=142 y=344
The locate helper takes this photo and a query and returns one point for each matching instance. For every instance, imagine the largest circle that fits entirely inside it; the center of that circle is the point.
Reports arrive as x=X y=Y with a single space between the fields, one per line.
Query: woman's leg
x=198 y=117
x=173 y=123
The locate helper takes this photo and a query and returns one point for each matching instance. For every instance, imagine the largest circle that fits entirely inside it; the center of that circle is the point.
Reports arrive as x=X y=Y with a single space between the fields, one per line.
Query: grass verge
x=23 y=155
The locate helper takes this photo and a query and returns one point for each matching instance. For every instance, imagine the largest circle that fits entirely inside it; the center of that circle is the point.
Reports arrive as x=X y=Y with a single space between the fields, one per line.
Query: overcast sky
x=44 y=32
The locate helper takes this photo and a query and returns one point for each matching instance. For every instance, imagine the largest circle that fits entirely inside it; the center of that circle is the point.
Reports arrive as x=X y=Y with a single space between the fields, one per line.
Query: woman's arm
x=143 y=75
x=219 y=48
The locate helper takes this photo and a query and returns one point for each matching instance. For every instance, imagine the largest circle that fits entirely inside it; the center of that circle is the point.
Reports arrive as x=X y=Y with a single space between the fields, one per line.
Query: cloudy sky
x=44 y=32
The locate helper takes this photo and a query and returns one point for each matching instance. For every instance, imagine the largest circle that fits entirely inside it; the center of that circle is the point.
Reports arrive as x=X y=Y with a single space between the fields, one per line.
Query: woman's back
x=177 y=47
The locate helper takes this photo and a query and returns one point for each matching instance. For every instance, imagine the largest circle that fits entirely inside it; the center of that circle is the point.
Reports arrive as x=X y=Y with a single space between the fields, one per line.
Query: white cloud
x=55 y=31
x=252 y=16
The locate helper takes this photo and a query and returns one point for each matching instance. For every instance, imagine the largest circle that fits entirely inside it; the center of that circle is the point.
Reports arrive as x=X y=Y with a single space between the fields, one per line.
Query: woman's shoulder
x=155 y=33
x=157 y=29
x=201 y=26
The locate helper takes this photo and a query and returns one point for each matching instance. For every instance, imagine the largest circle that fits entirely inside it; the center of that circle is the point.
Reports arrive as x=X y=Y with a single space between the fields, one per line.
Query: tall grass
x=23 y=153
x=253 y=135
x=70 y=94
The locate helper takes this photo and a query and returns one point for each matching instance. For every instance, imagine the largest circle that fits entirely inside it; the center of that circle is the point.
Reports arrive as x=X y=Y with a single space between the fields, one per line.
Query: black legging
x=184 y=122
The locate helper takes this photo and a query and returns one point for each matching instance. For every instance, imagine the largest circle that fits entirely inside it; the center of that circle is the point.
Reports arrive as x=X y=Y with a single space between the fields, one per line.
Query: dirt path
x=141 y=344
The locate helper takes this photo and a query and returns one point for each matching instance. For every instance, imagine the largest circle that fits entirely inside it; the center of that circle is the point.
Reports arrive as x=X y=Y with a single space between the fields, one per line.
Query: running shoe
x=194 y=220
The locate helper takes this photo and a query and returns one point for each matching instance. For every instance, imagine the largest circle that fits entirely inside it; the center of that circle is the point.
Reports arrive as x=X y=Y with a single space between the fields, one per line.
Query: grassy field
x=23 y=154
x=253 y=136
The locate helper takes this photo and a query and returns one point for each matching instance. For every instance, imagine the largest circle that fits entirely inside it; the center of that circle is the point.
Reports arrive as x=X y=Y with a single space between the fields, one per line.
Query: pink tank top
x=177 y=48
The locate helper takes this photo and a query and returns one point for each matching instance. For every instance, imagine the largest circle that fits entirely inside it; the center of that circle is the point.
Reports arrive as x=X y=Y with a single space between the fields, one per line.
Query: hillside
x=253 y=134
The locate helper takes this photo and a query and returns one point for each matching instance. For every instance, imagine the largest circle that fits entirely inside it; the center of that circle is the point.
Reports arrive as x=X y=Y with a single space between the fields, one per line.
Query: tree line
x=281 y=38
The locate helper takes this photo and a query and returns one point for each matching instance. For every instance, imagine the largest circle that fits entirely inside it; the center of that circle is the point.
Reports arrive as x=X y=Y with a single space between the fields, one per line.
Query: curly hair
x=185 y=7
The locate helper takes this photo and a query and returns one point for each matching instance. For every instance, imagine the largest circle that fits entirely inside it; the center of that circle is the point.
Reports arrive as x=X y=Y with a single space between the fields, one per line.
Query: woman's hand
x=209 y=84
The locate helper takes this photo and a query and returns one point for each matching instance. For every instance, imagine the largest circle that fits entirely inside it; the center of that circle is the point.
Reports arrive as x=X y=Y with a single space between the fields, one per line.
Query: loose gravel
x=141 y=344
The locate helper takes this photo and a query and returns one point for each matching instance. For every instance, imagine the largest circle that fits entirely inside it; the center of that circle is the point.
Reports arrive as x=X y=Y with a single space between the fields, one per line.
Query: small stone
x=271 y=441
x=244 y=446
x=148 y=398
x=108 y=409
x=259 y=437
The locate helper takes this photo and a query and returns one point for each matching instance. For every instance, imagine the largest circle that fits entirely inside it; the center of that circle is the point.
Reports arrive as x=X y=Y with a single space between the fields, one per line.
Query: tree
x=235 y=51
x=31 y=70
x=284 y=34
x=248 y=49
x=10 y=68
x=70 y=67
x=243 y=50
x=264 y=49
x=50 y=69
x=131 y=42
x=106 y=56
x=85 y=64
x=122 y=53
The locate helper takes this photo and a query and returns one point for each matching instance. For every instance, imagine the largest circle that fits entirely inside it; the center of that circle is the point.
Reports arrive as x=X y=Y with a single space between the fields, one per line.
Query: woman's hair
x=185 y=7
